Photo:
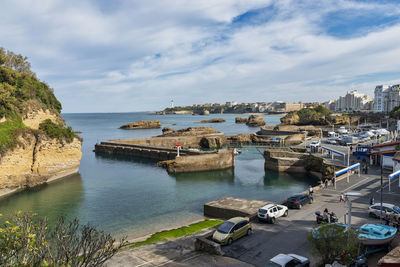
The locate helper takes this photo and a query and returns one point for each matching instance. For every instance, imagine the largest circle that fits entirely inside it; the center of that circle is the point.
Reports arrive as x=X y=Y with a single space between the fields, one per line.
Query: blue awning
x=352 y=167
x=394 y=174
x=333 y=151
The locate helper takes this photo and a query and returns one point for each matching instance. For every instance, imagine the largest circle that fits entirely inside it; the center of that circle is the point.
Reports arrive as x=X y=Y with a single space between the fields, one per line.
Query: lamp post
x=347 y=195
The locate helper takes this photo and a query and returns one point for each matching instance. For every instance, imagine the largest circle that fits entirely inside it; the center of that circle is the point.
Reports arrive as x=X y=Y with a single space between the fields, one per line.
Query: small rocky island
x=255 y=121
x=215 y=120
x=142 y=125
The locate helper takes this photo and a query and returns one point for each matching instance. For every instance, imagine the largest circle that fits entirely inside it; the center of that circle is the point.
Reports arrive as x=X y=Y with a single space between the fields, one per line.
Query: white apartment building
x=353 y=101
x=379 y=98
x=231 y=103
x=387 y=97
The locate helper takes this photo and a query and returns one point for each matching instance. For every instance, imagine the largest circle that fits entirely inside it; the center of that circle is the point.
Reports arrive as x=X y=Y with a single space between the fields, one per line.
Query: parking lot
x=289 y=234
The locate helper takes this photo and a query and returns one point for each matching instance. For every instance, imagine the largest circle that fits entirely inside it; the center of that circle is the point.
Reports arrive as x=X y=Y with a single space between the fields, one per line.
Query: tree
x=333 y=242
x=27 y=240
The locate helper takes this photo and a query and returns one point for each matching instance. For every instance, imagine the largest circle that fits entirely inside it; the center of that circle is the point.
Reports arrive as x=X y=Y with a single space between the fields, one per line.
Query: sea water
x=132 y=196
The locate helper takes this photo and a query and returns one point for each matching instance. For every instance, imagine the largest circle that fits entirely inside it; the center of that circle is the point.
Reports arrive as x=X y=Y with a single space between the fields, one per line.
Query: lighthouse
x=172 y=103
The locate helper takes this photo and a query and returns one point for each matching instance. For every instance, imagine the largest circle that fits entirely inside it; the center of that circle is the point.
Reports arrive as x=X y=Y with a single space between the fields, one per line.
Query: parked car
x=286 y=260
x=270 y=212
x=316 y=143
x=298 y=200
x=232 y=229
x=331 y=141
x=388 y=209
x=342 y=130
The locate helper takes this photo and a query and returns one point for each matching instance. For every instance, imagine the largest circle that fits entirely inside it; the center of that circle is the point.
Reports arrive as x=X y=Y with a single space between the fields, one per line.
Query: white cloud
x=148 y=52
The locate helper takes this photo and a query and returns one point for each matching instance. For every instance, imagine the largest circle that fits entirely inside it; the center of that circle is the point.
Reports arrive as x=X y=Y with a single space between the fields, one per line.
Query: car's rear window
x=225 y=227
x=262 y=211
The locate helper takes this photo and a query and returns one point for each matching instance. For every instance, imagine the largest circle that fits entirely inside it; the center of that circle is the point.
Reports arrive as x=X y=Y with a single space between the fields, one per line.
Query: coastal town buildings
x=353 y=101
x=230 y=104
x=387 y=97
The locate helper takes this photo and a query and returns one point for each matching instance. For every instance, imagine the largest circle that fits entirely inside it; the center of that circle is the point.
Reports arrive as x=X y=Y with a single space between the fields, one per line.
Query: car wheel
x=373 y=215
x=286 y=213
x=300 y=206
x=272 y=220
x=249 y=231
x=230 y=241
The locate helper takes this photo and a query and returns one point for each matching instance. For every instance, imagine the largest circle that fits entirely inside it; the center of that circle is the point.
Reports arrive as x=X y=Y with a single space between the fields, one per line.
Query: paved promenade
x=288 y=235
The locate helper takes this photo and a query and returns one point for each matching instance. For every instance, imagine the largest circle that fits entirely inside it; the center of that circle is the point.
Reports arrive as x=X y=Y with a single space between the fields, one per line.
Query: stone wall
x=223 y=159
x=170 y=142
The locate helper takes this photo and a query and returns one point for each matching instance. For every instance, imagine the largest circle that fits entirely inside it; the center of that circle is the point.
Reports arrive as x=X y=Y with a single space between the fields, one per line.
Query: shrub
x=27 y=240
x=57 y=131
x=331 y=242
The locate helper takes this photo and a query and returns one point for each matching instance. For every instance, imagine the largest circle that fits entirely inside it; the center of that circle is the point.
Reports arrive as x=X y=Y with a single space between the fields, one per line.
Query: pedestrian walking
x=333 y=179
x=372 y=200
x=326 y=183
x=310 y=192
x=341 y=198
x=320 y=184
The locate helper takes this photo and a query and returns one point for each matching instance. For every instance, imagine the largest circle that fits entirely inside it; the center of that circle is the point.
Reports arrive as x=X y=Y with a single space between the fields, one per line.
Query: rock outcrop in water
x=215 y=120
x=241 y=120
x=191 y=131
x=167 y=129
x=255 y=120
x=142 y=125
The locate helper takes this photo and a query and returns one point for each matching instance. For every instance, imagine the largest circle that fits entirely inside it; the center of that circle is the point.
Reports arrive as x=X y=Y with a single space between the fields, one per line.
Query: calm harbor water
x=133 y=196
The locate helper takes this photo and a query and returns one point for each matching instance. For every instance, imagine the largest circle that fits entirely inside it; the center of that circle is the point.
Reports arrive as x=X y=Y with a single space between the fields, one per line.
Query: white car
x=331 y=141
x=388 y=209
x=270 y=212
x=286 y=260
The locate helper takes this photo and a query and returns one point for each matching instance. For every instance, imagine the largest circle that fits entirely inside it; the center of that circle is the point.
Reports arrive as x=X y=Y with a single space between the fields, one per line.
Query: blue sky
x=121 y=56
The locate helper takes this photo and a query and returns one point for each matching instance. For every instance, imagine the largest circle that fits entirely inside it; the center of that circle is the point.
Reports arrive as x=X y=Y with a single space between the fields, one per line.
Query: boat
x=237 y=151
x=376 y=234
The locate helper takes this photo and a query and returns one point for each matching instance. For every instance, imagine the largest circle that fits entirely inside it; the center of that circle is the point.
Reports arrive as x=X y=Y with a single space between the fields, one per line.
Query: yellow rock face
x=33 y=118
x=38 y=159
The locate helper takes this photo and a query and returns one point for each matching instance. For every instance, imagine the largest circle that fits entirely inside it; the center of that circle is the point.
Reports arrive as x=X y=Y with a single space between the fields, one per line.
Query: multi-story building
x=379 y=98
x=331 y=105
x=387 y=97
x=353 y=101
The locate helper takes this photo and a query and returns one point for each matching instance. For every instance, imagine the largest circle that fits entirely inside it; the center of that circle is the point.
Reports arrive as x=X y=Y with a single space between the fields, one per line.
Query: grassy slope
x=175 y=233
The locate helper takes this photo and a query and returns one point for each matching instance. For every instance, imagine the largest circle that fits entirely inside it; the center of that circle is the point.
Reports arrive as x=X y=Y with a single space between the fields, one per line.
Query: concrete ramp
x=229 y=207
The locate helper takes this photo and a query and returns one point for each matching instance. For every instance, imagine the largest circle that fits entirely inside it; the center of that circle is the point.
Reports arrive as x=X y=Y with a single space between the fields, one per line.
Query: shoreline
x=133 y=238
x=52 y=178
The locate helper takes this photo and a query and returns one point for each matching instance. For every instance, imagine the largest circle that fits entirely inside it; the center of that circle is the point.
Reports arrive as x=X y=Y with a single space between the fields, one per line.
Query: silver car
x=387 y=209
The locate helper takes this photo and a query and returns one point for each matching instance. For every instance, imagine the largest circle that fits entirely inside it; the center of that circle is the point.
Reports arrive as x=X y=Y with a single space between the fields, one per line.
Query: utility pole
x=380 y=220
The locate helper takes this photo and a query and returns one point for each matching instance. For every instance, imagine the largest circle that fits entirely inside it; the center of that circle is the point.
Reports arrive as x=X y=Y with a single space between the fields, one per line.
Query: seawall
x=222 y=159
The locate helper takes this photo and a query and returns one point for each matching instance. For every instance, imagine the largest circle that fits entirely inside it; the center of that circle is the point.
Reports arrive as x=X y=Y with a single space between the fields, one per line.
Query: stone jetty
x=163 y=149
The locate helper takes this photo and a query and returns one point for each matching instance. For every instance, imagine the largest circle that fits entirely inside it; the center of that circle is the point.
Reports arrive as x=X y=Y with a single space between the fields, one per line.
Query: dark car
x=298 y=200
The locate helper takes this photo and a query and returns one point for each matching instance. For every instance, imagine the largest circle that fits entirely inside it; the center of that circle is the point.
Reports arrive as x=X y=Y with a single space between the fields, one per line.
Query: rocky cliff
x=38 y=158
x=35 y=144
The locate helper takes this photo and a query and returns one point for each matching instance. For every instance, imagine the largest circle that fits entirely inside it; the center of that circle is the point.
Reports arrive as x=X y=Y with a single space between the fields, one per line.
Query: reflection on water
x=219 y=176
x=114 y=157
x=61 y=197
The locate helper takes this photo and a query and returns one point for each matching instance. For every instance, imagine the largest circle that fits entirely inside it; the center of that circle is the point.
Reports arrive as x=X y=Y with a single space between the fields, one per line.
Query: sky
x=127 y=55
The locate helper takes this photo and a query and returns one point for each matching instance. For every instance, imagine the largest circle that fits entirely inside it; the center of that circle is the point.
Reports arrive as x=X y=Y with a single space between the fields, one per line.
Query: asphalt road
x=289 y=235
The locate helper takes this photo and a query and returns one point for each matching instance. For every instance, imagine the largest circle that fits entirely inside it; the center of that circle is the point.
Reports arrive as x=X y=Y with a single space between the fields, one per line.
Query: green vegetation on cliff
x=57 y=131
x=318 y=112
x=21 y=90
